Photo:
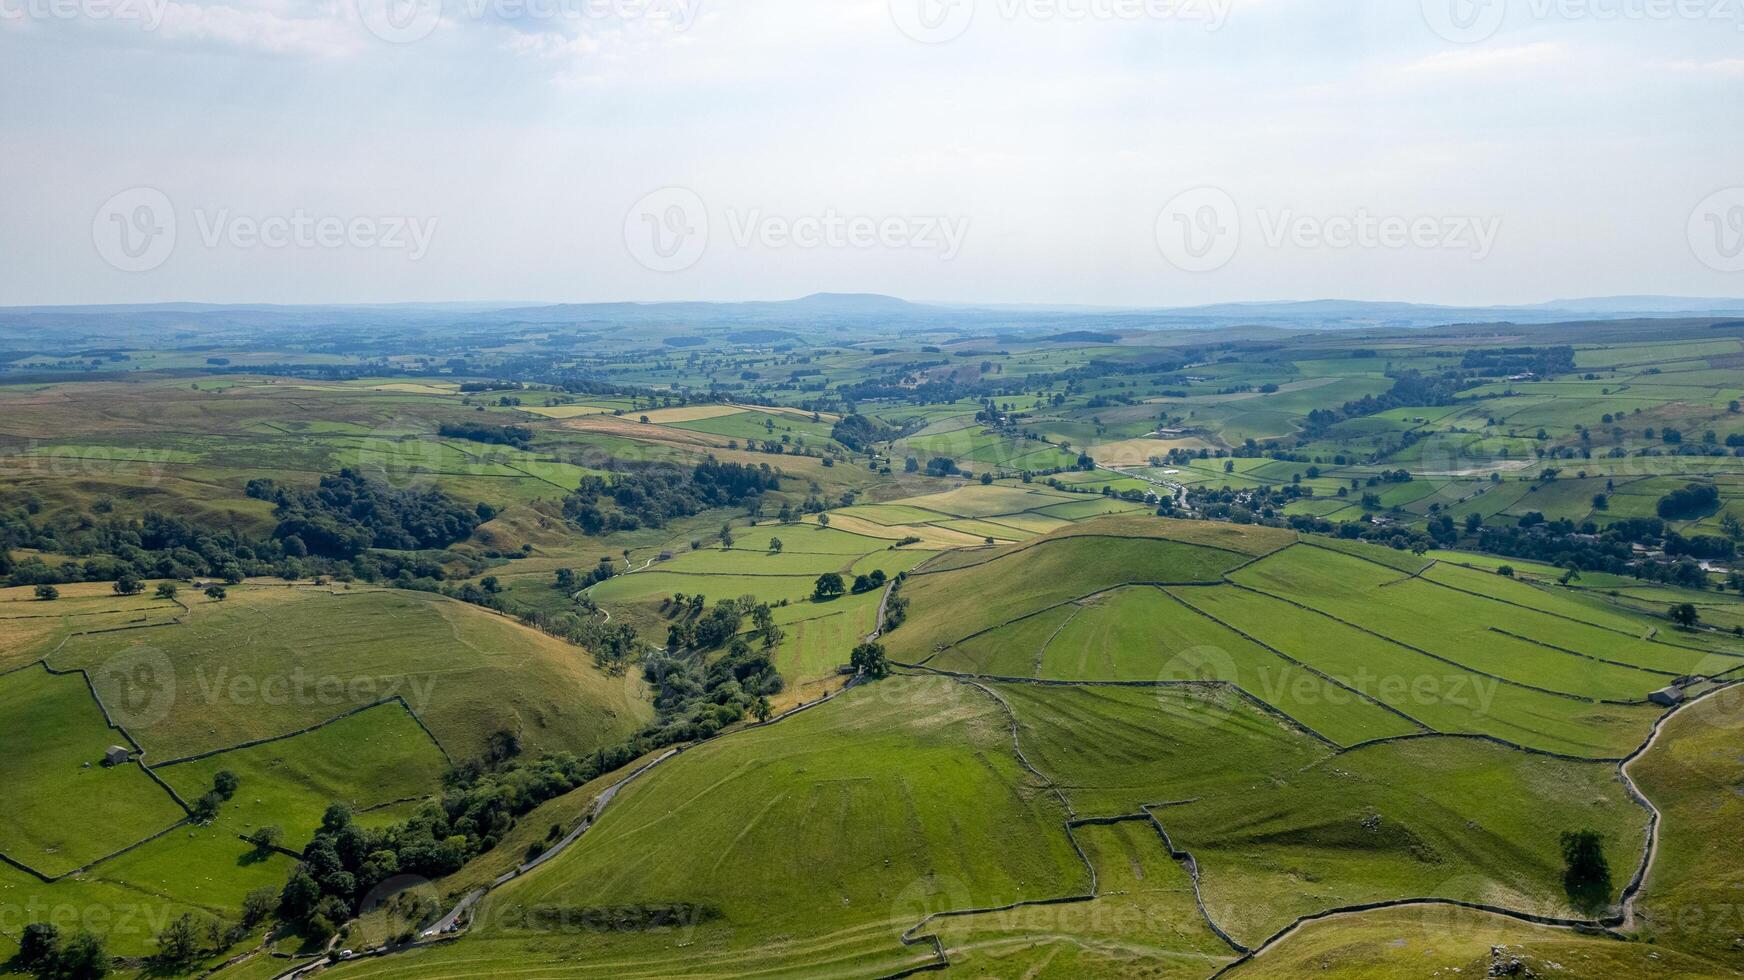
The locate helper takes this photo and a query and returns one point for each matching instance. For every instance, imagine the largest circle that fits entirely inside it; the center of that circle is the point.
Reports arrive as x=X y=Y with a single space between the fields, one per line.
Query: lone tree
x=266 y=839
x=47 y=593
x=1686 y=615
x=829 y=586
x=217 y=593
x=129 y=584
x=1587 y=875
x=869 y=661
x=168 y=590
x=225 y=783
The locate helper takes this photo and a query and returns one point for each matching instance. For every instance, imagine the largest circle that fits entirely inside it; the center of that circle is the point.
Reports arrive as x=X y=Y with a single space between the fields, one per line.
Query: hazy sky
x=1120 y=152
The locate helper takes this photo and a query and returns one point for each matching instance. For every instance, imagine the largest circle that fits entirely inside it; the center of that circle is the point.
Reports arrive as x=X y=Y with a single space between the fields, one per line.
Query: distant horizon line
x=1647 y=299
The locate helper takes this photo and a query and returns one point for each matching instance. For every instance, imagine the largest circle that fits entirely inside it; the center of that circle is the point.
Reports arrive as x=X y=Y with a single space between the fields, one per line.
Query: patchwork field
x=1207 y=636
x=68 y=809
x=370 y=761
x=270 y=661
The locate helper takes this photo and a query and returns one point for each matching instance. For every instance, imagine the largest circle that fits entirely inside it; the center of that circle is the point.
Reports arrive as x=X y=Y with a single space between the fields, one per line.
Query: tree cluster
x=652 y=497
x=349 y=514
x=518 y=436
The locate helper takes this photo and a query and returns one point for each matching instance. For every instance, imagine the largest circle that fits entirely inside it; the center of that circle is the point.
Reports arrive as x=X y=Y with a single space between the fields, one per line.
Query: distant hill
x=820 y=317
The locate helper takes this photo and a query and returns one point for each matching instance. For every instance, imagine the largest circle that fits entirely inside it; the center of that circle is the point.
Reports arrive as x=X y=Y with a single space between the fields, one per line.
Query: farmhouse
x=115 y=755
x=1671 y=697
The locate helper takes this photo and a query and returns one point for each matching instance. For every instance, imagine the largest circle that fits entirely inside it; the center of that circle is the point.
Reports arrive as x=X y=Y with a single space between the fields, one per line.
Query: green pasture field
x=1725 y=615
x=1242 y=541
x=756 y=830
x=1323 y=507
x=1438 y=695
x=820 y=636
x=1282 y=826
x=656 y=584
x=1011 y=650
x=1436 y=818
x=948 y=606
x=988 y=529
x=1462 y=628
x=1144 y=634
x=271 y=661
x=976 y=501
x=1143 y=923
x=1690 y=902
x=1080 y=510
x=26 y=623
x=374 y=759
x=1403 y=561
x=1613 y=634
x=805 y=539
x=759 y=426
x=738 y=561
x=1604 y=601
x=66 y=808
x=894 y=514
x=892 y=562
x=1443 y=941
x=1030 y=523
x=1115 y=750
x=130 y=899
